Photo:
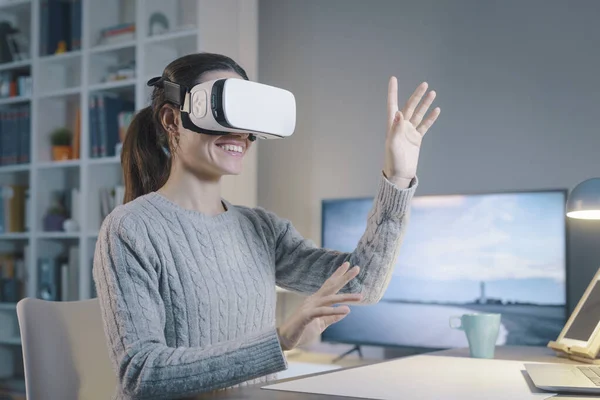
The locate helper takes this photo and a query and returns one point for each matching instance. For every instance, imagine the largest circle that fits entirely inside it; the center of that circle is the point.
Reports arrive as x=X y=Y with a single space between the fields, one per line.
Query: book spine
x=93 y=128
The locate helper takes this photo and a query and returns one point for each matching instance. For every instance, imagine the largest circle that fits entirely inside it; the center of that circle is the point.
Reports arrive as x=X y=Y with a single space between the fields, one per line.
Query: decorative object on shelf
x=158 y=24
x=118 y=149
x=117 y=34
x=110 y=198
x=70 y=225
x=6 y=29
x=61 y=144
x=56 y=216
x=584 y=200
x=15 y=83
x=61 y=48
x=120 y=72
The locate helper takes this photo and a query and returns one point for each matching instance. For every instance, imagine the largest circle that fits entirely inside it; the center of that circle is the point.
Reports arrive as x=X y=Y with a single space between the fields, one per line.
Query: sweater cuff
x=271 y=358
x=392 y=200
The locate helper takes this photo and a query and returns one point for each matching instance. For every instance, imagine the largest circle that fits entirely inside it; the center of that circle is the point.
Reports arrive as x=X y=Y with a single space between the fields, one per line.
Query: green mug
x=482 y=332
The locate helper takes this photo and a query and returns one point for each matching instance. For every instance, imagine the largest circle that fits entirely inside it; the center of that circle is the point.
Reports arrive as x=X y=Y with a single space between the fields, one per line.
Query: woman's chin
x=231 y=168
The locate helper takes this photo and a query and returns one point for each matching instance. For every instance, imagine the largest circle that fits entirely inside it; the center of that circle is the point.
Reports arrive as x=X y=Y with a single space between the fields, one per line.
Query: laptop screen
x=586 y=320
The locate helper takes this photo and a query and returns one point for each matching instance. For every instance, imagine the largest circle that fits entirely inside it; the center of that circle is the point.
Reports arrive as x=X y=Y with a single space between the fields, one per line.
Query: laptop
x=565 y=378
x=581 y=332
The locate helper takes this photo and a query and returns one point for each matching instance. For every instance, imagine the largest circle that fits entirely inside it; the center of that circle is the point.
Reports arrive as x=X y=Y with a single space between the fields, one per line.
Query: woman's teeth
x=231 y=147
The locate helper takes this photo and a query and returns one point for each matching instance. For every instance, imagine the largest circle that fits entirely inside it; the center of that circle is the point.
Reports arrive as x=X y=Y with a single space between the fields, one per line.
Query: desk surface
x=515 y=353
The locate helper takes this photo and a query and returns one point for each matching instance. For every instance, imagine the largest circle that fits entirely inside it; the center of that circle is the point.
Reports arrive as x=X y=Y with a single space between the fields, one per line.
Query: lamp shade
x=584 y=200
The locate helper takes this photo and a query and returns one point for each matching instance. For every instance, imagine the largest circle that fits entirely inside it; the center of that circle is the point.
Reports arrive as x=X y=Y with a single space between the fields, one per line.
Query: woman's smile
x=231 y=146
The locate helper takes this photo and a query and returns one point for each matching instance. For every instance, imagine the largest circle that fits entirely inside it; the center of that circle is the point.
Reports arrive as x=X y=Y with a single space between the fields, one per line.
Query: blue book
x=76 y=25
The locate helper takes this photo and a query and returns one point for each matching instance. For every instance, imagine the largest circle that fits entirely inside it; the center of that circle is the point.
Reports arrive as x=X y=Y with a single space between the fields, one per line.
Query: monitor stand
x=352 y=350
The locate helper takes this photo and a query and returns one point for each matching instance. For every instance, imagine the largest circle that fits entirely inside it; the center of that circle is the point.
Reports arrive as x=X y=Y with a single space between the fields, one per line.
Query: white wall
x=517 y=82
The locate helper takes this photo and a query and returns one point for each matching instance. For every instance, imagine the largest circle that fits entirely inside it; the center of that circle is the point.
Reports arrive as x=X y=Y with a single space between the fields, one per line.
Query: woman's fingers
x=332 y=319
x=340 y=271
x=342 y=275
x=320 y=312
x=338 y=299
x=422 y=109
x=347 y=277
x=392 y=100
x=429 y=121
x=414 y=100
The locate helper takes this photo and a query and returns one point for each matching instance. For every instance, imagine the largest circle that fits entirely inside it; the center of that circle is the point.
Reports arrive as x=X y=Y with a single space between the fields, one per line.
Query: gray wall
x=517 y=81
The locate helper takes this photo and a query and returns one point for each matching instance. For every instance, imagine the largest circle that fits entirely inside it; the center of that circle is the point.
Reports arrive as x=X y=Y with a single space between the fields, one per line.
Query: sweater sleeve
x=126 y=273
x=303 y=267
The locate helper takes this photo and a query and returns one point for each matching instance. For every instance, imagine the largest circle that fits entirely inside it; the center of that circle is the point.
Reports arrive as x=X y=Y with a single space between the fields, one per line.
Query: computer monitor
x=493 y=252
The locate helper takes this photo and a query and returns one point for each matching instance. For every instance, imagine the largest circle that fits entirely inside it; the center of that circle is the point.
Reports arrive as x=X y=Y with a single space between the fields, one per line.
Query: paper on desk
x=424 y=377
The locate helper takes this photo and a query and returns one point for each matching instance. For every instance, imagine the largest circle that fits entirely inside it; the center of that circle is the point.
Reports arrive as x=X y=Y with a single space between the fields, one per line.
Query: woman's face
x=211 y=156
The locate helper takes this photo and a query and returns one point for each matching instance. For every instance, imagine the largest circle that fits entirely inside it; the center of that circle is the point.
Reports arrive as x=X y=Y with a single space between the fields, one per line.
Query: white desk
x=525 y=354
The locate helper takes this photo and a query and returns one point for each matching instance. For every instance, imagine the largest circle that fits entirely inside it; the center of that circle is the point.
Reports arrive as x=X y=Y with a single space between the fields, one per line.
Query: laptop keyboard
x=593 y=373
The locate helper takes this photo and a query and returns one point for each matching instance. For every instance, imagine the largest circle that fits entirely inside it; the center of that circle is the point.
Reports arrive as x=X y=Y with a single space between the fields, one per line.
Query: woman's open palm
x=405 y=131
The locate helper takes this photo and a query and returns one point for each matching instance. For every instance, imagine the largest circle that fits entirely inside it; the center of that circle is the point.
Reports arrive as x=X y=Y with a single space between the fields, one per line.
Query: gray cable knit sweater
x=188 y=300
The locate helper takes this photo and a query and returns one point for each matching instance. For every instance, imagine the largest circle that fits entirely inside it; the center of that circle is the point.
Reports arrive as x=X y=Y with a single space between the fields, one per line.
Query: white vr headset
x=223 y=106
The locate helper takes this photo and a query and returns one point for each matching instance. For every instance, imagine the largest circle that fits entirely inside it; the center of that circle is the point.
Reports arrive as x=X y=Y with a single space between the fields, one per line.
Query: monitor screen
x=502 y=253
x=587 y=318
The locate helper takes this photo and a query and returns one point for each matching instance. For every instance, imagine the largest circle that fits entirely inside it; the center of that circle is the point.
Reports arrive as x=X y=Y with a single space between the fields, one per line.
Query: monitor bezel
x=563 y=191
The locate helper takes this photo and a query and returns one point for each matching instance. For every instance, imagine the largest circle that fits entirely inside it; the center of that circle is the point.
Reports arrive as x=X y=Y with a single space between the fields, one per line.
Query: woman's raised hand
x=405 y=131
x=317 y=311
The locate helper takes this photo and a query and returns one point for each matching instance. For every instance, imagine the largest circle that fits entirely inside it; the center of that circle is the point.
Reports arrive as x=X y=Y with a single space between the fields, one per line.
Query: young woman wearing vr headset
x=186 y=280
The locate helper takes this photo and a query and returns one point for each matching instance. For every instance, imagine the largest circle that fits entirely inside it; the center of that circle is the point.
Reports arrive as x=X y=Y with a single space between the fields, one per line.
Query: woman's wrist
x=400 y=182
x=282 y=341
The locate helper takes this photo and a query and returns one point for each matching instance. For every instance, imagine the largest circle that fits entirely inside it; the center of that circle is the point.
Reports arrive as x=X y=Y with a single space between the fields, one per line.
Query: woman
x=186 y=280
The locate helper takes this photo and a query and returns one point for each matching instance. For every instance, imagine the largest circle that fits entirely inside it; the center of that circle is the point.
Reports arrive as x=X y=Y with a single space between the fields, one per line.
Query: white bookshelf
x=62 y=84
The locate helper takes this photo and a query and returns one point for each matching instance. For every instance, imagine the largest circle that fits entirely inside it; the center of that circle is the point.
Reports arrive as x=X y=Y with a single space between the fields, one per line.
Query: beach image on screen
x=500 y=253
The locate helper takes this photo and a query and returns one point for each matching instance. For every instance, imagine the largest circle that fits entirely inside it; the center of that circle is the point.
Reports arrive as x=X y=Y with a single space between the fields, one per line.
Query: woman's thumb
x=398 y=119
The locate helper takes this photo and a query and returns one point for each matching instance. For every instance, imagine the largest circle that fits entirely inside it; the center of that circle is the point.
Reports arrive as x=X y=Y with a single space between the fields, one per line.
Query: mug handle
x=456 y=318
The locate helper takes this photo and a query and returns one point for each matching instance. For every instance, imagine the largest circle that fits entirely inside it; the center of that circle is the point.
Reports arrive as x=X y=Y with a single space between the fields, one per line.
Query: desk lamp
x=584 y=200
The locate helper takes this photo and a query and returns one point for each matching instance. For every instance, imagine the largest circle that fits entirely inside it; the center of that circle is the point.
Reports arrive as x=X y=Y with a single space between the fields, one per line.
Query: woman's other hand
x=405 y=132
x=317 y=311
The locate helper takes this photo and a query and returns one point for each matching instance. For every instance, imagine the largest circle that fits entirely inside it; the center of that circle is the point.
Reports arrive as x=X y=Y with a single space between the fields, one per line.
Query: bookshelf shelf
x=61 y=57
x=14 y=100
x=14 y=236
x=7 y=5
x=113 y=85
x=104 y=161
x=15 y=64
x=8 y=169
x=102 y=48
x=11 y=341
x=170 y=36
x=8 y=306
x=60 y=93
x=58 y=164
x=58 y=235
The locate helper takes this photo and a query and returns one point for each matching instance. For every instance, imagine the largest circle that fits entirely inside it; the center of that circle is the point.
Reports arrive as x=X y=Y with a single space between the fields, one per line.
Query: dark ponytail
x=146 y=167
x=146 y=164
